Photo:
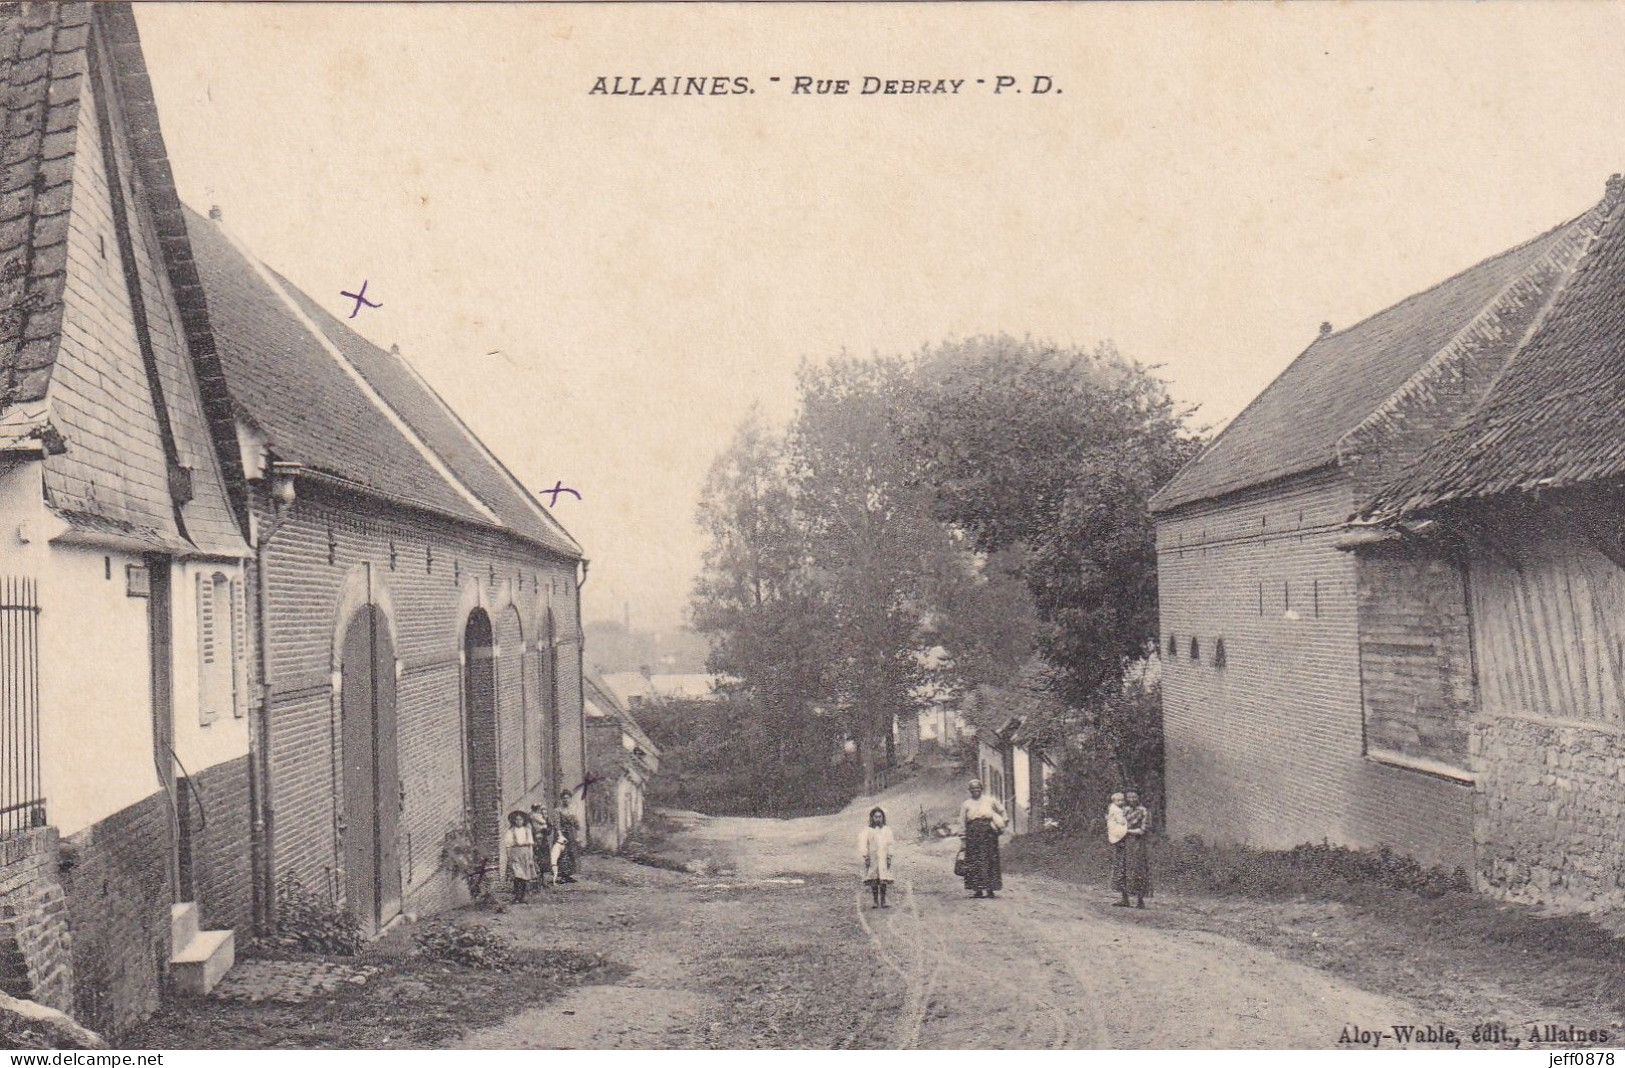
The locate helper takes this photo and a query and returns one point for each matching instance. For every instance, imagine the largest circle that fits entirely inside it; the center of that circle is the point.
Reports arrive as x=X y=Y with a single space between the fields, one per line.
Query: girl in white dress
x=875 y=851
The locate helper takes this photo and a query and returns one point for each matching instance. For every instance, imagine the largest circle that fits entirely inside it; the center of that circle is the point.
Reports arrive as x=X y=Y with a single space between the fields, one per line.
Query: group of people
x=538 y=847
x=983 y=819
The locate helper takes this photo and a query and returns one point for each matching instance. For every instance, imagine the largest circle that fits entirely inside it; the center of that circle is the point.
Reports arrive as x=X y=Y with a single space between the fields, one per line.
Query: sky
x=603 y=285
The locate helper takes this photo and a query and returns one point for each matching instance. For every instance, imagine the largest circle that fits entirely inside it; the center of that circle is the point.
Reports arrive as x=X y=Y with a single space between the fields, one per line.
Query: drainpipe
x=259 y=712
x=581 y=694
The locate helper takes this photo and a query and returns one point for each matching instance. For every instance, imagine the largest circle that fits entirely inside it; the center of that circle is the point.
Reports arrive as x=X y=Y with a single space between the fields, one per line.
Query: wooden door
x=360 y=770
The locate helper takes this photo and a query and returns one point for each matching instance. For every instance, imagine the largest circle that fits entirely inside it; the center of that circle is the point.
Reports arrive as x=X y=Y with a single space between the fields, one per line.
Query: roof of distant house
x=599 y=693
x=1298 y=422
x=689 y=687
x=1555 y=418
x=334 y=404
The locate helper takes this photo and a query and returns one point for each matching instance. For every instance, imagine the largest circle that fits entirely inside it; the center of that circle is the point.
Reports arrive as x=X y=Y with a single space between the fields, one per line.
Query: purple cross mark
x=558 y=488
x=360 y=299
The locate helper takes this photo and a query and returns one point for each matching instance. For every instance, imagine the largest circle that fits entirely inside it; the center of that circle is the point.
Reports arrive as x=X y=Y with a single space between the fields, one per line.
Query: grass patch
x=1381 y=921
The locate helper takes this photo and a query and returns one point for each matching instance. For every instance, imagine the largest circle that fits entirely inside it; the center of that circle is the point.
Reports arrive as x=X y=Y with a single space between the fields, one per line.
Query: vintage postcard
x=812 y=526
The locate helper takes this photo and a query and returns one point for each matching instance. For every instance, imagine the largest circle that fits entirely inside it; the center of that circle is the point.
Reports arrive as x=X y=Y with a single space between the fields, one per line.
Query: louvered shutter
x=206 y=650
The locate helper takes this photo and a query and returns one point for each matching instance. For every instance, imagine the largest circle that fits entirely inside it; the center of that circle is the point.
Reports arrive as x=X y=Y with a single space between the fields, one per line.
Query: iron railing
x=21 y=803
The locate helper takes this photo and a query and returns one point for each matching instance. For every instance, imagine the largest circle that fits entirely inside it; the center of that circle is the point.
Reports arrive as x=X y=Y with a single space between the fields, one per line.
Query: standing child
x=520 y=846
x=875 y=851
x=542 y=832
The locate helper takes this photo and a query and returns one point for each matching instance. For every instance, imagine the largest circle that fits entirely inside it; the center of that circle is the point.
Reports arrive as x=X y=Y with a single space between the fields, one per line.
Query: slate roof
x=315 y=413
x=42 y=61
x=1555 y=418
x=1296 y=424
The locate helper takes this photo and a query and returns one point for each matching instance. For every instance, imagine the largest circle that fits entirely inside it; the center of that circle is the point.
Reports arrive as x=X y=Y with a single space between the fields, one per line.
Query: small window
x=1196 y=650
x=1173 y=645
x=1218 y=653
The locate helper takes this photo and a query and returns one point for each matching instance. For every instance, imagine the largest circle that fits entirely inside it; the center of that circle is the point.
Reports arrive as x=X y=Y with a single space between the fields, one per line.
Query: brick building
x=123 y=674
x=1317 y=676
x=417 y=611
x=1517 y=511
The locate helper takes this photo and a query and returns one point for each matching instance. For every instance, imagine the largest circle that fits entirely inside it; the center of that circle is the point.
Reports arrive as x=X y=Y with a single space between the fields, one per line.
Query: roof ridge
x=438 y=463
x=1155 y=502
x=1553 y=257
x=479 y=444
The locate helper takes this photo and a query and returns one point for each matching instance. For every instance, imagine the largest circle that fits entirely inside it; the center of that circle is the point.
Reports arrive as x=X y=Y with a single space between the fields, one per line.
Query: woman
x=1137 y=859
x=568 y=830
x=1116 y=835
x=983 y=818
x=875 y=851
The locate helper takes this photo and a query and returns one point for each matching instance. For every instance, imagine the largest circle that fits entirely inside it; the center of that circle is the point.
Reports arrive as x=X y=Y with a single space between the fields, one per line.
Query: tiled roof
x=1295 y=425
x=43 y=58
x=310 y=409
x=444 y=431
x=330 y=401
x=1556 y=416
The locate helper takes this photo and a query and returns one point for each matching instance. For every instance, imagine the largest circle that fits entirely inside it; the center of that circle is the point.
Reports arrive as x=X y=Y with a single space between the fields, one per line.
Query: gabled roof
x=600 y=694
x=1296 y=424
x=53 y=57
x=329 y=401
x=1556 y=416
x=43 y=60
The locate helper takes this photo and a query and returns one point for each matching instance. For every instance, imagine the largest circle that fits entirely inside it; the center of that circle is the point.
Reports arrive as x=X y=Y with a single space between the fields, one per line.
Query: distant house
x=124 y=676
x=637 y=688
x=1317 y=677
x=1015 y=756
x=416 y=611
x=620 y=762
x=1507 y=540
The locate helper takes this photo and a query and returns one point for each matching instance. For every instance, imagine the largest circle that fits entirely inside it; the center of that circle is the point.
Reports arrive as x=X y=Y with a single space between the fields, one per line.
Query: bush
x=306 y=923
x=468 y=945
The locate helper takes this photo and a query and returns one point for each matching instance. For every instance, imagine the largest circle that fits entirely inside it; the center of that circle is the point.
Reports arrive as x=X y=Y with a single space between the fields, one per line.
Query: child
x=1116 y=832
x=520 y=846
x=542 y=832
x=875 y=850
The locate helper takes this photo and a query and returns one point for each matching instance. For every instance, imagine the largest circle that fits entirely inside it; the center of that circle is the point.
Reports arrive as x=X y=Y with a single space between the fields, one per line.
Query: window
x=220 y=627
x=1173 y=645
x=1196 y=650
x=1218 y=653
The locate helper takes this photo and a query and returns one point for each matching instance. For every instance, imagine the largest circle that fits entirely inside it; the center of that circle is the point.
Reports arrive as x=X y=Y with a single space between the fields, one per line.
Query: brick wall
x=1550 y=806
x=219 y=845
x=429 y=571
x=35 y=945
x=117 y=886
x=1269 y=748
x=1416 y=661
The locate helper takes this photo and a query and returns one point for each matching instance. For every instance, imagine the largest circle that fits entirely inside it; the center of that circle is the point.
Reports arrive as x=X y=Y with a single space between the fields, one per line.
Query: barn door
x=371 y=775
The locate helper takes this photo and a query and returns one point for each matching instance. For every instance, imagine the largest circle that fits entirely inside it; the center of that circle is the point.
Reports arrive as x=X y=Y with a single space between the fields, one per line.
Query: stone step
x=183 y=926
x=204 y=961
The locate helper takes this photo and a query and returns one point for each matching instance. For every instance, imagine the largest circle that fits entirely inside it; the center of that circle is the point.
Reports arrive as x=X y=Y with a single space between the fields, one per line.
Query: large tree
x=1051 y=453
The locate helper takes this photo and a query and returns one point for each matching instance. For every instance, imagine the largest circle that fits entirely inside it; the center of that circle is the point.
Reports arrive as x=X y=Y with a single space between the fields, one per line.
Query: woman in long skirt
x=983 y=819
x=567 y=830
x=1137 y=860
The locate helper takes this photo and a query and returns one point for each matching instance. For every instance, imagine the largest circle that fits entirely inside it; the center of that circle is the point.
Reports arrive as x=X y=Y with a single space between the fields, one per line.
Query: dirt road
x=776 y=947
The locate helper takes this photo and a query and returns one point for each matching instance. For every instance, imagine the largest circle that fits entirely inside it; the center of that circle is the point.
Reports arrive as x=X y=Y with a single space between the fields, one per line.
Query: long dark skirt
x=1137 y=865
x=982 y=857
x=1120 y=865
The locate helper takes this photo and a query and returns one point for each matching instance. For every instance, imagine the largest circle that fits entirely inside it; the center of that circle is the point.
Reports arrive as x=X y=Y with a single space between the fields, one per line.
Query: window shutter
x=239 y=650
x=205 y=650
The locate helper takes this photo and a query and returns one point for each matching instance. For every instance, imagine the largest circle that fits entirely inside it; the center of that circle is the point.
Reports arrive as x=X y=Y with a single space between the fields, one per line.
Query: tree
x=1051 y=454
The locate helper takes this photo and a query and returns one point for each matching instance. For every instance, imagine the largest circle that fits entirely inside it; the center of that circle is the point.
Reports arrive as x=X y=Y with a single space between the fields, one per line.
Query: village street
x=776 y=947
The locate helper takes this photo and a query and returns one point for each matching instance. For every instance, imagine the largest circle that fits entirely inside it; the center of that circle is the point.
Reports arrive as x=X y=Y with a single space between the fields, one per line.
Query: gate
x=21 y=805
x=371 y=773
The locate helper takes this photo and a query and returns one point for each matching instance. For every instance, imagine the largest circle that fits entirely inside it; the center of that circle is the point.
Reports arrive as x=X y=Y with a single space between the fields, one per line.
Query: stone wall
x=35 y=953
x=1549 y=807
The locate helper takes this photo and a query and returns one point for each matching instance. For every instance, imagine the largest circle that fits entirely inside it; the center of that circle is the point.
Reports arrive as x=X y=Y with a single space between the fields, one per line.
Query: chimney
x=1325 y=328
x=1613 y=191
x=214 y=211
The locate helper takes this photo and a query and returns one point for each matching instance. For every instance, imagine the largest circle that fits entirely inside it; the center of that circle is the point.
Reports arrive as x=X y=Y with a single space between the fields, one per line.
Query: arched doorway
x=483 y=790
x=372 y=785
